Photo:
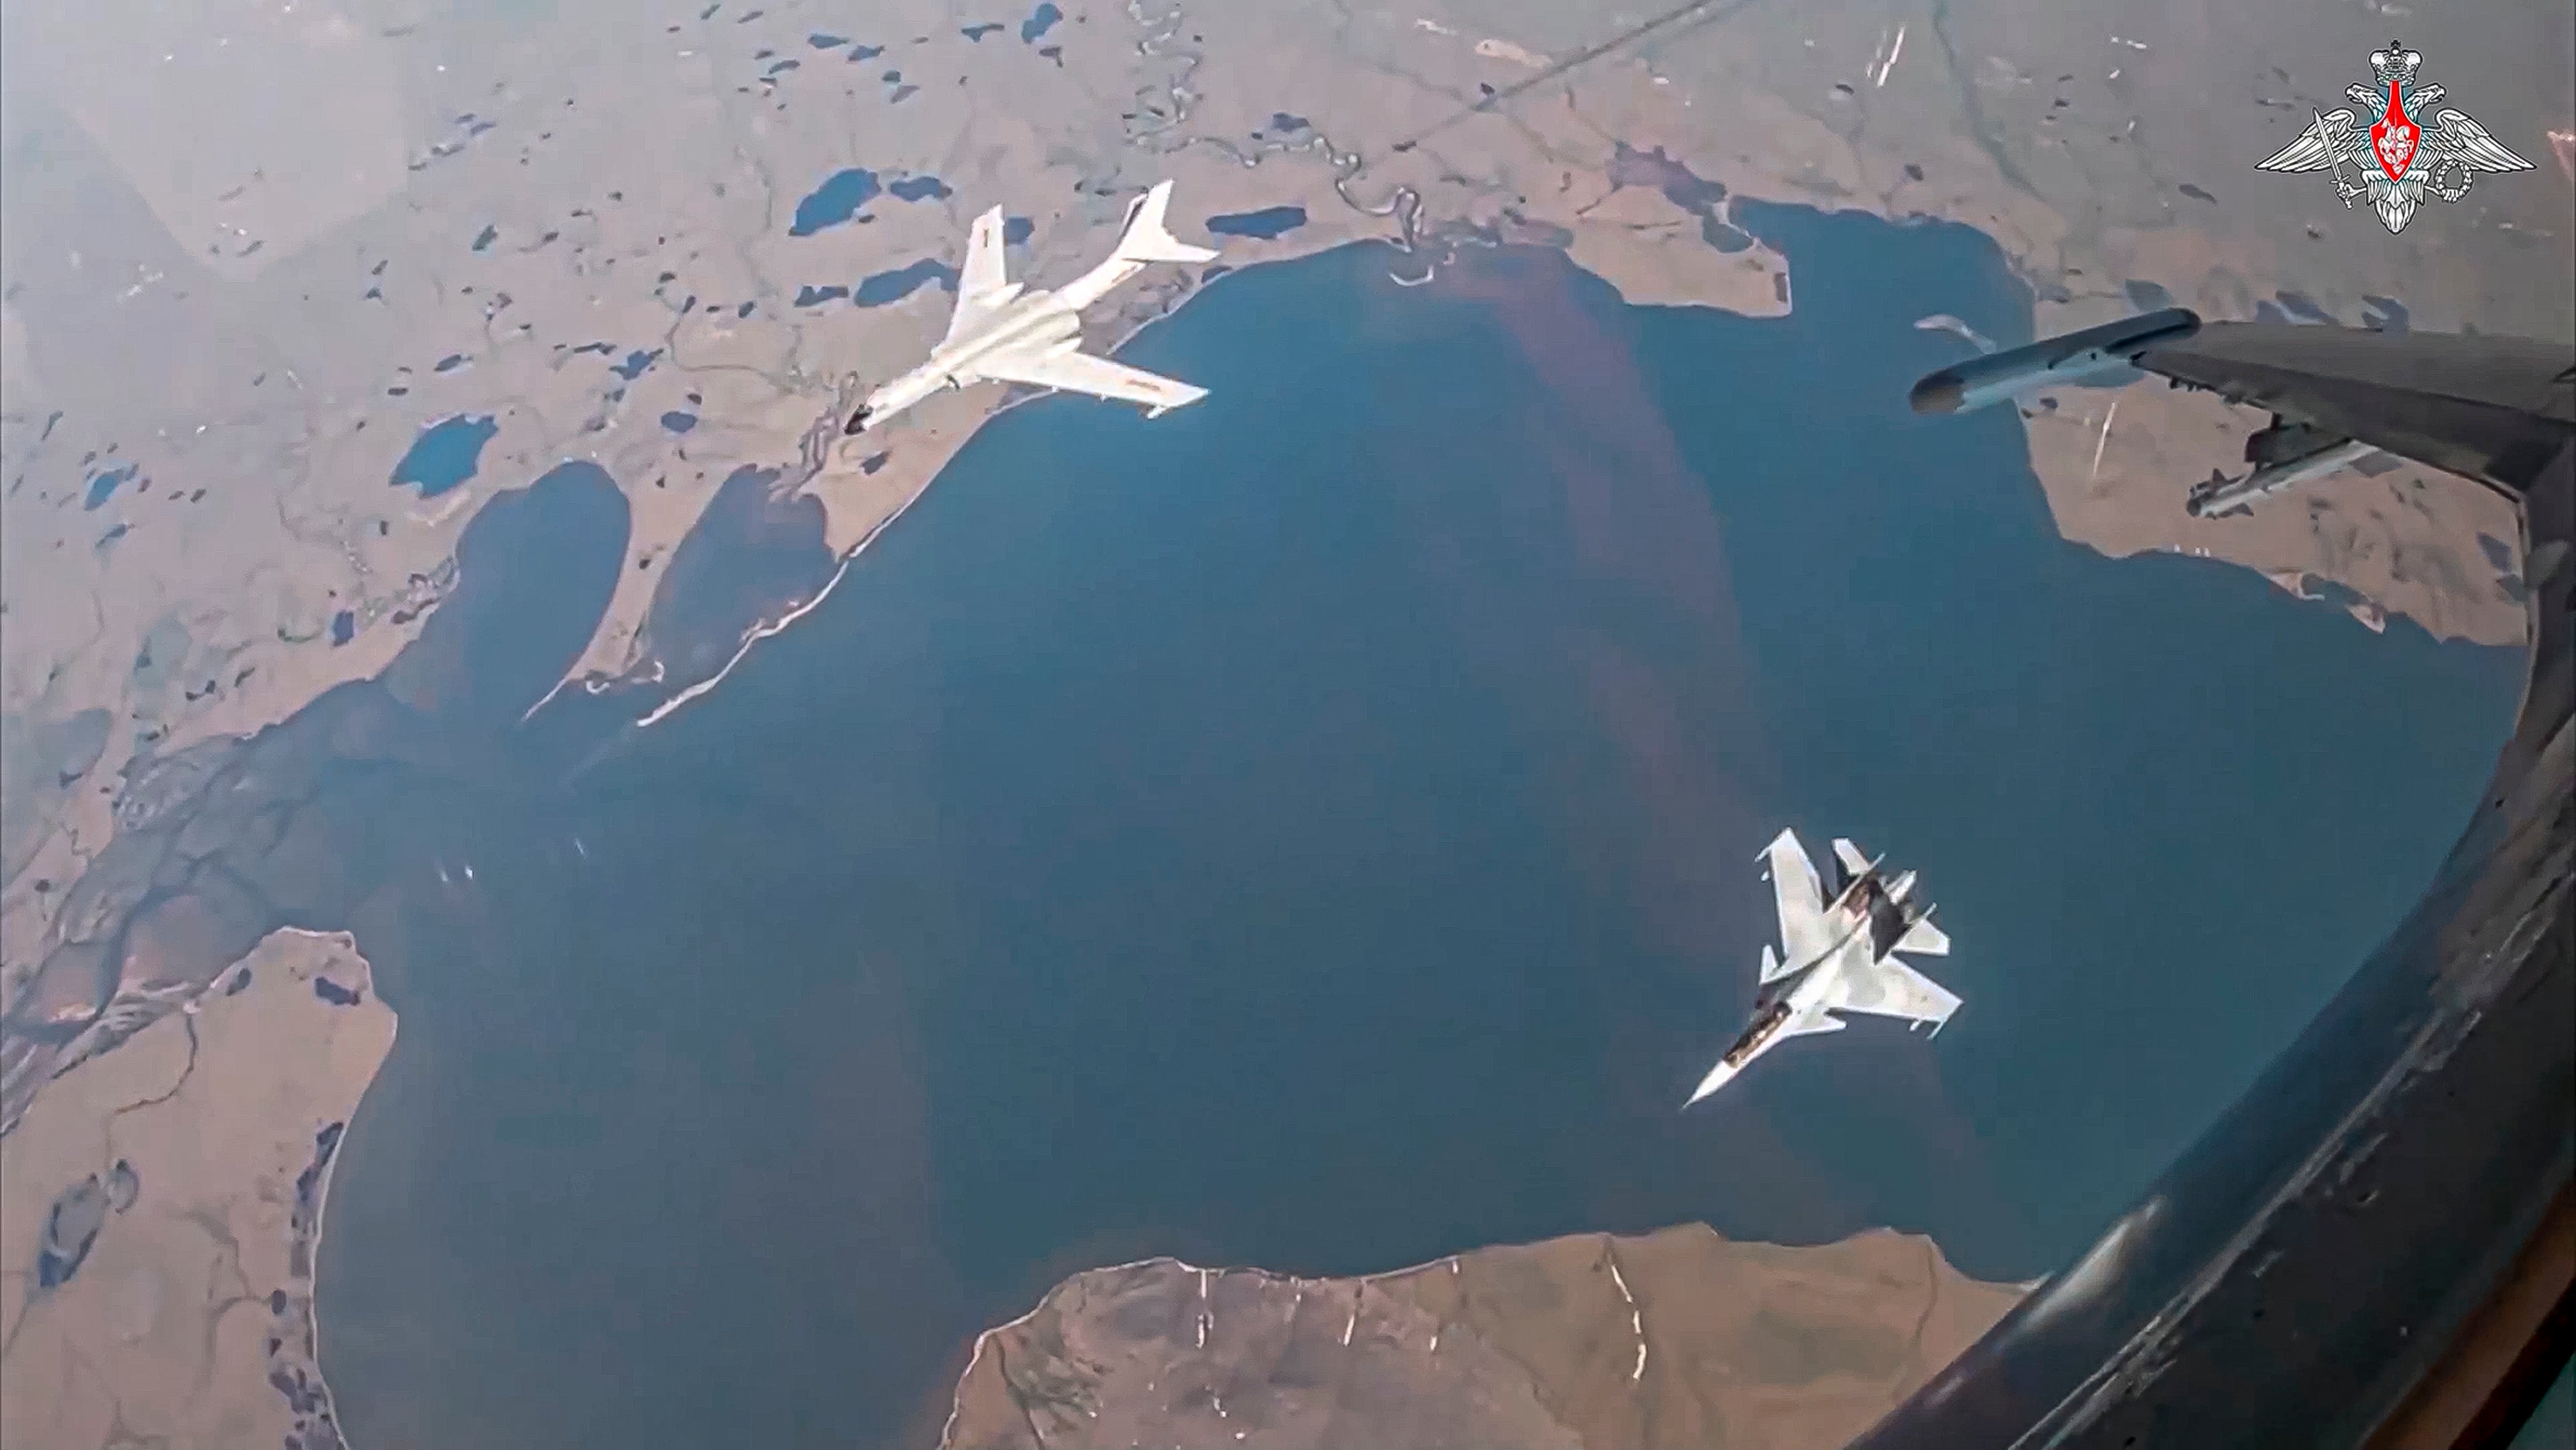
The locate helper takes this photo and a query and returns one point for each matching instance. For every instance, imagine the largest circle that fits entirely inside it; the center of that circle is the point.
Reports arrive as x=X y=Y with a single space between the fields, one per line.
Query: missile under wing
x=1839 y=955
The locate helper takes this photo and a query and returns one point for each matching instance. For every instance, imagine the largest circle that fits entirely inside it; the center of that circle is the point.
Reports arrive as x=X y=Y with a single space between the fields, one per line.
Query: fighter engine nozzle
x=1996 y=377
x=858 y=424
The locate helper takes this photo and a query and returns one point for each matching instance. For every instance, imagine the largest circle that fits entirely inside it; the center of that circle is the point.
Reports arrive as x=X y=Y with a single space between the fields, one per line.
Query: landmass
x=262 y=366
x=1677 y=1338
x=161 y=1206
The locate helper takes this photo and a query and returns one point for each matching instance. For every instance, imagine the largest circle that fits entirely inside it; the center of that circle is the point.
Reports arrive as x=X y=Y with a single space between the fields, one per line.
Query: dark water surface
x=1316 y=829
x=444 y=454
x=1267 y=223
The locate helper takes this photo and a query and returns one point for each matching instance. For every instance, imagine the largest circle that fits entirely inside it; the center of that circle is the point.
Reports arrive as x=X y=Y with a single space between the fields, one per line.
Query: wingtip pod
x=1148 y=239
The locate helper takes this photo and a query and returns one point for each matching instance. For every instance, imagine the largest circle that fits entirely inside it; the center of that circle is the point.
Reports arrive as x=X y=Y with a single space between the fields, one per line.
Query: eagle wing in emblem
x=2456 y=136
x=2329 y=140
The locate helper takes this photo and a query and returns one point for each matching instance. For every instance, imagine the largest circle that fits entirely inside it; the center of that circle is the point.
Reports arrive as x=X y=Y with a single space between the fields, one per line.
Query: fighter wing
x=1080 y=372
x=1804 y=935
x=1890 y=988
x=2323 y=144
x=984 y=283
x=2458 y=136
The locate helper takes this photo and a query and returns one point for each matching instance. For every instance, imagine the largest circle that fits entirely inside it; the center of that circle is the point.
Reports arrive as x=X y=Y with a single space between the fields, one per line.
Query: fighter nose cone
x=1718 y=1077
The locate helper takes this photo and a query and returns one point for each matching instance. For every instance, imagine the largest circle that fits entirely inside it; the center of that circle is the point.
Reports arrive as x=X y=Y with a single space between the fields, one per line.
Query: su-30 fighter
x=1000 y=333
x=1838 y=956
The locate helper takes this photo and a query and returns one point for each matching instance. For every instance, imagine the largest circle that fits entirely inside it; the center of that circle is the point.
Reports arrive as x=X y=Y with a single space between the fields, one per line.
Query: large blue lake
x=1316 y=829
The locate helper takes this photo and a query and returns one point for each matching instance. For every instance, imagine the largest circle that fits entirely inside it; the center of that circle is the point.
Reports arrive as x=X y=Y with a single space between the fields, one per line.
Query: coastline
x=2093 y=505
x=227 y=1193
x=829 y=462
x=1751 y=119
x=767 y=630
x=827 y=454
x=1358 y=1283
x=322 y=1211
x=1504 y=1342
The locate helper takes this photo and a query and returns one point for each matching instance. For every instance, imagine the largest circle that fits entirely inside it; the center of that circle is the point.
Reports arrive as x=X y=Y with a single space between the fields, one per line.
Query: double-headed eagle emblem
x=2399 y=158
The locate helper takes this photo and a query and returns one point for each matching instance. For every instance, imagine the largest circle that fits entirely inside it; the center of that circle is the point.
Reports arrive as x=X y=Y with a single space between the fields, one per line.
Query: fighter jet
x=1000 y=333
x=1837 y=956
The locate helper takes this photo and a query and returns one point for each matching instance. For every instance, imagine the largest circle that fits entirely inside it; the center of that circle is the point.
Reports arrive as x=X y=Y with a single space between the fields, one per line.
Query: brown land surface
x=1677 y=1338
x=249 y=253
x=172 y=1192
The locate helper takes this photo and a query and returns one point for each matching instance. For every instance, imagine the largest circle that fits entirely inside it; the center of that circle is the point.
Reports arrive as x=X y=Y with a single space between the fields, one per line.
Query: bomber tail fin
x=1147 y=239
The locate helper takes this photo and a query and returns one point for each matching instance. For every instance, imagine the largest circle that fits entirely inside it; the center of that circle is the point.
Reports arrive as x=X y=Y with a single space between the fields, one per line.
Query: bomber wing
x=1804 y=934
x=1080 y=372
x=984 y=283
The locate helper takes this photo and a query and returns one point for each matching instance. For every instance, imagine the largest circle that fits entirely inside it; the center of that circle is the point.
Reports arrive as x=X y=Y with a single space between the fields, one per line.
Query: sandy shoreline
x=192 y=1303
x=200 y=599
x=1668 y=1338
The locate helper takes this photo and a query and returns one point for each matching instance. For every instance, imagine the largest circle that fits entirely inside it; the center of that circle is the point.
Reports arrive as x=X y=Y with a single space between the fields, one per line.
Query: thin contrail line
x=2104 y=441
x=1580 y=58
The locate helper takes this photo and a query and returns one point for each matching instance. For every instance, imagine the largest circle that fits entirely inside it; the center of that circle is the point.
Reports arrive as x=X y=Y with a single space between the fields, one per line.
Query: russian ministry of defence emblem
x=2398 y=158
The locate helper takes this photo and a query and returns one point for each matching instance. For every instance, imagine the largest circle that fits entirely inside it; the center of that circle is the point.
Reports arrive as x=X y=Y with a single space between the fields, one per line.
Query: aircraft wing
x=984 y=283
x=1804 y=936
x=1080 y=372
x=1923 y=939
x=1890 y=988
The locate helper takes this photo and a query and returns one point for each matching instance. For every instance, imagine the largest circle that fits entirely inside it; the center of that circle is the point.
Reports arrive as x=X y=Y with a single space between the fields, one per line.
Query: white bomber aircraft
x=1840 y=956
x=1000 y=333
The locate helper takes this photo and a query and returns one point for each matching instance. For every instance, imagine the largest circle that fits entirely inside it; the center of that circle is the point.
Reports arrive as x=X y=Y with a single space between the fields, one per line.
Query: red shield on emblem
x=2394 y=137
